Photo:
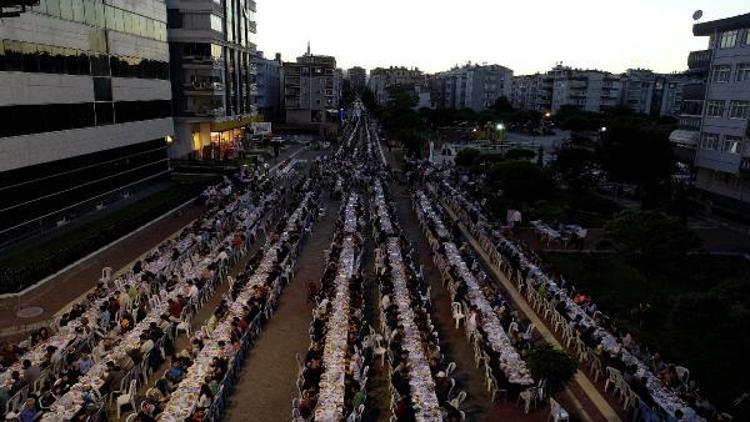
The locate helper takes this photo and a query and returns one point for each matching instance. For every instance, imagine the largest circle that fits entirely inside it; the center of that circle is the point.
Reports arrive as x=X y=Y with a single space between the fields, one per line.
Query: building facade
x=357 y=77
x=85 y=105
x=311 y=87
x=473 y=86
x=268 y=86
x=722 y=161
x=211 y=45
x=382 y=80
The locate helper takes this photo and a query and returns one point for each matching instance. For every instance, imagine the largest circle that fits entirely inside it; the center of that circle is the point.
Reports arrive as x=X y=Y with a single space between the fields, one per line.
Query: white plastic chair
x=683 y=373
x=458 y=314
x=529 y=397
x=456 y=403
x=127 y=398
x=557 y=413
x=379 y=350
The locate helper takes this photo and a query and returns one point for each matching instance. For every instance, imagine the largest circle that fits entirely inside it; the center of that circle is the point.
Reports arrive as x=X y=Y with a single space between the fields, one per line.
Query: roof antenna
x=308 y=47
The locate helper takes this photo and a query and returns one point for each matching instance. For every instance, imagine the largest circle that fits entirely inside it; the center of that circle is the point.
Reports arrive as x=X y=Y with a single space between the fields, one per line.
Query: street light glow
x=548 y=114
x=500 y=126
x=603 y=129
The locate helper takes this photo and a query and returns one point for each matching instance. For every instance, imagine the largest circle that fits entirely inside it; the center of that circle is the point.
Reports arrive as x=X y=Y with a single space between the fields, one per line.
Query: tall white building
x=382 y=80
x=85 y=105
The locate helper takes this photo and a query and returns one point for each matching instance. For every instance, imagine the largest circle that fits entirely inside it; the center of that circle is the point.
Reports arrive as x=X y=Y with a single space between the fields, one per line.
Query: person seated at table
x=175 y=308
x=8 y=354
x=175 y=372
x=658 y=365
x=85 y=362
x=670 y=377
x=442 y=386
x=29 y=412
x=30 y=372
x=400 y=380
x=402 y=410
x=308 y=402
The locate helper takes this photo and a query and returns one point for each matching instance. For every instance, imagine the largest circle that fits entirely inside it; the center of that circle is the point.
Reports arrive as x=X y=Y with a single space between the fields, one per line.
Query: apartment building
x=268 y=86
x=311 y=87
x=472 y=86
x=382 y=80
x=85 y=105
x=211 y=44
x=357 y=76
x=722 y=160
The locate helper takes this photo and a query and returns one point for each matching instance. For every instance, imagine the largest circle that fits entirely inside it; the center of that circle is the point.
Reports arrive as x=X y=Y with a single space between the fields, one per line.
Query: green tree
x=637 y=151
x=553 y=365
x=577 y=168
x=520 y=154
x=521 y=180
x=650 y=239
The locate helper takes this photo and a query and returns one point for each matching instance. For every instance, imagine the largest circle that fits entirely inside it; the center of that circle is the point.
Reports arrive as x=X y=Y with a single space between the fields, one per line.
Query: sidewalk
x=71 y=284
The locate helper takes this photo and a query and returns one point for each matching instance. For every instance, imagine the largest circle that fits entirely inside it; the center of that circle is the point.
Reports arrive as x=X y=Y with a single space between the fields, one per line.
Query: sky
x=527 y=36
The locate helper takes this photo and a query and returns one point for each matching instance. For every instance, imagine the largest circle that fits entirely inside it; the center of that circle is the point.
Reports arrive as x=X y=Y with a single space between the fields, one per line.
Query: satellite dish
x=697 y=15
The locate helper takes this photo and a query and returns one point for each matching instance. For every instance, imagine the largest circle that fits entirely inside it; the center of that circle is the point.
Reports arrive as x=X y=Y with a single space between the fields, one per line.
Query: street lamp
x=548 y=114
x=603 y=129
x=500 y=126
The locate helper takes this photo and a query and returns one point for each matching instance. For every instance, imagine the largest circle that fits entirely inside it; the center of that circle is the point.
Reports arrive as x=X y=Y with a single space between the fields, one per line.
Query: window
x=743 y=72
x=728 y=39
x=732 y=144
x=715 y=108
x=721 y=73
x=710 y=141
x=739 y=110
x=217 y=24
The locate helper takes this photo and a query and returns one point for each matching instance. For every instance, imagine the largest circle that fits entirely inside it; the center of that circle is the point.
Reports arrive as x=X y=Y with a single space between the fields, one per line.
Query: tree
x=553 y=365
x=502 y=105
x=521 y=180
x=650 y=238
x=467 y=157
x=401 y=122
x=637 y=151
x=520 y=154
x=577 y=168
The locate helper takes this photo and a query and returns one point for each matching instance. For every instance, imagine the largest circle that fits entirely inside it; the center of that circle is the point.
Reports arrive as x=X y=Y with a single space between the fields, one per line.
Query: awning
x=684 y=137
x=233 y=124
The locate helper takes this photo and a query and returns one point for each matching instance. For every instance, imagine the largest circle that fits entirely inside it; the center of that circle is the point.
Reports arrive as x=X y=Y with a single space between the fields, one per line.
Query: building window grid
x=743 y=71
x=715 y=108
x=721 y=73
x=728 y=39
x=739 y=110
x=710 y=141
x=732 y=144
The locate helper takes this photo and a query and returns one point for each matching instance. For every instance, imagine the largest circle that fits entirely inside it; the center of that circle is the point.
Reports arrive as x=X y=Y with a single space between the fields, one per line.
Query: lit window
x=732 y=144
x=739 y=110
x=728 y=39
x=715 y=108
x=721 y=73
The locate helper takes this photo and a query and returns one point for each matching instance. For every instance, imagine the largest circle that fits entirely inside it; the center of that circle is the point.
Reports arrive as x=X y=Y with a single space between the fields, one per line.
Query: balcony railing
x=699 y=60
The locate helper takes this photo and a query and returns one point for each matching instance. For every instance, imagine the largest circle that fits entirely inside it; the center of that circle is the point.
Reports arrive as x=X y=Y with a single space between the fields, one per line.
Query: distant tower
x=308 y=48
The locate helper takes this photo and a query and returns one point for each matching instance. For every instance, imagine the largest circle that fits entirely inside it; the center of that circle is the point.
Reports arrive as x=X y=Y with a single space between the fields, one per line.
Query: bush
x=553 y=365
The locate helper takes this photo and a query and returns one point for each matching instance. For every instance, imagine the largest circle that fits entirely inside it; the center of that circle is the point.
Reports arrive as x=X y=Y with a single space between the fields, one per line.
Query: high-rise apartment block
x=311 y=90
x=211 y=44
x=722 y=160
x=357 y=77
x=383 y=80
x=85 y=108
x=268 y=86
x=477 y=87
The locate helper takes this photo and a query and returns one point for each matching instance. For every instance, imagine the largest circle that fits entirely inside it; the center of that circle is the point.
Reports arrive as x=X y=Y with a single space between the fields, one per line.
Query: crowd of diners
x=125 y=326
x=207 y=370
x=333 y=375
x=650 y=387
x=421 y=385
x=491 y=323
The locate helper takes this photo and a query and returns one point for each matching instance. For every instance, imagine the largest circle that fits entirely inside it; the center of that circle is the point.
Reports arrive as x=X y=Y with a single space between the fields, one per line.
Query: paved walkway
x=71 y=284
x=267 y=383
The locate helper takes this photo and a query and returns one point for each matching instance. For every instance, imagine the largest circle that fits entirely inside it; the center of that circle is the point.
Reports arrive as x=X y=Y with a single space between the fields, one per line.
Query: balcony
x=203 y=87
x=696 y=92
x=201 y=62
x=206 y=112
x=699 y=60
x=251 y=5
